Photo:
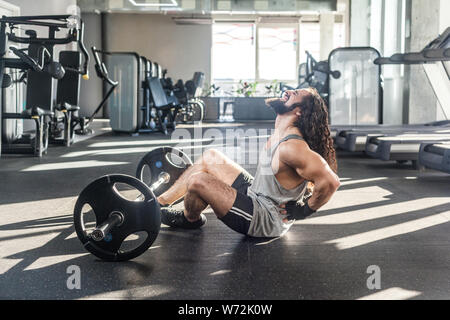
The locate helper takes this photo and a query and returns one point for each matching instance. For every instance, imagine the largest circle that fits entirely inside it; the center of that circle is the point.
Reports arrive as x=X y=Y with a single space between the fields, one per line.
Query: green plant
x=247 y=89
x=273 y=89
x=209 y=90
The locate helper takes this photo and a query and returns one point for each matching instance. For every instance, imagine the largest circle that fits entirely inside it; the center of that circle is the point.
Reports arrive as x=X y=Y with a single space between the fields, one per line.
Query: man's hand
x=295 y=211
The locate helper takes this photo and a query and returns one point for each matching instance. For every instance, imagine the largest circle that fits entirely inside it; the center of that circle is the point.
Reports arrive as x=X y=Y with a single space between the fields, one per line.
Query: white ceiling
x=209 y=6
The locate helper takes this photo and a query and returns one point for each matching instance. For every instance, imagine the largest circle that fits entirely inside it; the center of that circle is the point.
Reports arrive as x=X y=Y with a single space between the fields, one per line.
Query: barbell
x=118 y=217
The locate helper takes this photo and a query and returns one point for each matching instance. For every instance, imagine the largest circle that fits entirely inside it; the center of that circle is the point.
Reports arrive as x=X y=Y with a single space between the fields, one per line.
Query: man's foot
x=175 y=218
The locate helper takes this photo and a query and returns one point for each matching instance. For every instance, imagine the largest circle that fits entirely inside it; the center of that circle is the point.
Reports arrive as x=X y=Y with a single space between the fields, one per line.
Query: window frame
x=257 y=26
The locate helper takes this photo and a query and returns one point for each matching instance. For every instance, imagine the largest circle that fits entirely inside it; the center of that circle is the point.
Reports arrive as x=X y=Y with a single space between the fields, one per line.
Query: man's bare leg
x=205 y=189
x=193 y=206
x=212 y=162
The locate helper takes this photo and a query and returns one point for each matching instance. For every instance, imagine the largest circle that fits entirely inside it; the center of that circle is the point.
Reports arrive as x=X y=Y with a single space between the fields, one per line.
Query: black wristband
x=297 y=212
x=308 y=211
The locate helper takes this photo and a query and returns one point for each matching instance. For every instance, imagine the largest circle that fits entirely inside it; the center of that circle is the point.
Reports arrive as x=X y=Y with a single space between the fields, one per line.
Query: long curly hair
x=314 y=127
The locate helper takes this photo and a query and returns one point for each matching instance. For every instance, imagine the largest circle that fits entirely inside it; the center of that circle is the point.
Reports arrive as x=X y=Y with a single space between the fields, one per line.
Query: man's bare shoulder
x=296 y=152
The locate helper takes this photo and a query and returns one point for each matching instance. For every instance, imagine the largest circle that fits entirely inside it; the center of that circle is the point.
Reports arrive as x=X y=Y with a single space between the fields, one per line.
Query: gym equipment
x=158 y=107
x=406 y=147
x=116 y=217
x=192 y=107
x=139 y=104
x=354 y=139
x=164 y=159
x=36 y=143
x=67 y=100
x=355 y=98
x=102 y=73
x=314 y=74
x=433 y=58
x=40 y=67
x=435 y=156
x=128 y=69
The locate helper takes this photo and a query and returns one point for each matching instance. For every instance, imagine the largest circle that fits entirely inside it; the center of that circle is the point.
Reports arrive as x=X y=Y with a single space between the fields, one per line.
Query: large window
x=233 y=52
x=263 y=52
x=309 y=40
x=251 y=52
x=277 y=49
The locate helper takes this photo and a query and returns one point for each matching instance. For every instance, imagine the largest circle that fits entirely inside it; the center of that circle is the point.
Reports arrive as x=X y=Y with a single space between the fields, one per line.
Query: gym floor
x=385 y=215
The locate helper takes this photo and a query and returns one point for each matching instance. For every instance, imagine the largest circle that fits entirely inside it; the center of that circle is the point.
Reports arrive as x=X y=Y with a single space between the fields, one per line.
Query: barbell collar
x=163 y=178
x=114 y=220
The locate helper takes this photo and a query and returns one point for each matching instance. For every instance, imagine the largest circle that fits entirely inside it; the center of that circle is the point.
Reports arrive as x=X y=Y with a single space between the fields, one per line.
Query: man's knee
x=197 y=182
x=212 y=157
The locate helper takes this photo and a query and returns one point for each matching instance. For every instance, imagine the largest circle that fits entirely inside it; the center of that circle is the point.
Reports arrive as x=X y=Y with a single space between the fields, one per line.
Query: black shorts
x=240 y=215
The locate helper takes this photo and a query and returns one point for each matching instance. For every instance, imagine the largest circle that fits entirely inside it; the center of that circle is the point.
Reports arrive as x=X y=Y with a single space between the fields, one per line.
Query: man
x=300 y=151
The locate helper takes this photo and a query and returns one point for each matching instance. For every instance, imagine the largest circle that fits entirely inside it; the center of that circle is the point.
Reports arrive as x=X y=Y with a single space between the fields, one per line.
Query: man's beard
x=278 y=106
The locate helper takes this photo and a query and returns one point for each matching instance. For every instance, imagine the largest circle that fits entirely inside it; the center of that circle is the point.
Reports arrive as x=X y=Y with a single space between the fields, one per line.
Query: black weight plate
x=103 y=197
x=164 y=159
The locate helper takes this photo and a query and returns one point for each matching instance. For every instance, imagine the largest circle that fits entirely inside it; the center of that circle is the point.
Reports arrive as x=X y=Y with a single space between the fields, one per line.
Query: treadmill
x=435 y=156
x=406 y=147
x=354 y=139
x=432 y=57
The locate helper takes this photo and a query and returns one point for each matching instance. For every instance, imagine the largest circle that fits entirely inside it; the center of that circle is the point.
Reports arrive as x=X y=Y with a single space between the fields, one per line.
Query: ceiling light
x=173 y=3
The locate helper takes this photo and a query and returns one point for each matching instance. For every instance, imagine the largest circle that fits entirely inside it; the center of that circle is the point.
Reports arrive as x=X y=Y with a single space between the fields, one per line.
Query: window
x=264 y=51
x=339 y=35
x=277 y=49
x=309 y=40
x=233 y=52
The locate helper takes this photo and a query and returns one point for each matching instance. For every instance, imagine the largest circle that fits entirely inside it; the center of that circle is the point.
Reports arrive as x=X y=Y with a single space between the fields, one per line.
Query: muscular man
x=299 y=152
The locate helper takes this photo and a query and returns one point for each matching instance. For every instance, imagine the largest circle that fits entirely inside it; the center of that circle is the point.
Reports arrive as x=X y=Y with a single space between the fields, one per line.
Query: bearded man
x=299 y=153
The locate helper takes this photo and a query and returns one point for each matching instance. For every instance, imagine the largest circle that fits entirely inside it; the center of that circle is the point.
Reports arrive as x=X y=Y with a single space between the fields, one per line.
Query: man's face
x=288 y=101
x=292 y=97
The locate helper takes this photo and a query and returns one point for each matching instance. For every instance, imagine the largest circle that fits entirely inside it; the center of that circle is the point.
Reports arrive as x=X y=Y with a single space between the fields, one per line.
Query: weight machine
x=37 y=61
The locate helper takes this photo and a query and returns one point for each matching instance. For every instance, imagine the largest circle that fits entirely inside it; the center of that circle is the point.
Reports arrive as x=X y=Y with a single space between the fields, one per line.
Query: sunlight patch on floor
x=392 y=294
x=357 y=197
x=373 y=213
x=147 y=142
x=7 y=264
x=150 y=291
x=73 y=165
x=45 y=262
x=123 y=151
x=364 y=238
x=220 y=272
x=351 y=182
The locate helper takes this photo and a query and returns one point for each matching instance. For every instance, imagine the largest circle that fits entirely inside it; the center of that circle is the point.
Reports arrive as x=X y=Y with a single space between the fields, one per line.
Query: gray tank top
x=267 y=194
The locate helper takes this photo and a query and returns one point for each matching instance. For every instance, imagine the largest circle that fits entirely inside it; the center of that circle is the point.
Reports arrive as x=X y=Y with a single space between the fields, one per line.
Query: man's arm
x=312 y=167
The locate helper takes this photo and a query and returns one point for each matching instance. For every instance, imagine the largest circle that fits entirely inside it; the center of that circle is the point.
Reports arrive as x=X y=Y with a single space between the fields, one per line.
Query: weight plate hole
x=146 y=175
x=128 y=192
x=175 y=160
x=88 y=219
x=133 y=241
